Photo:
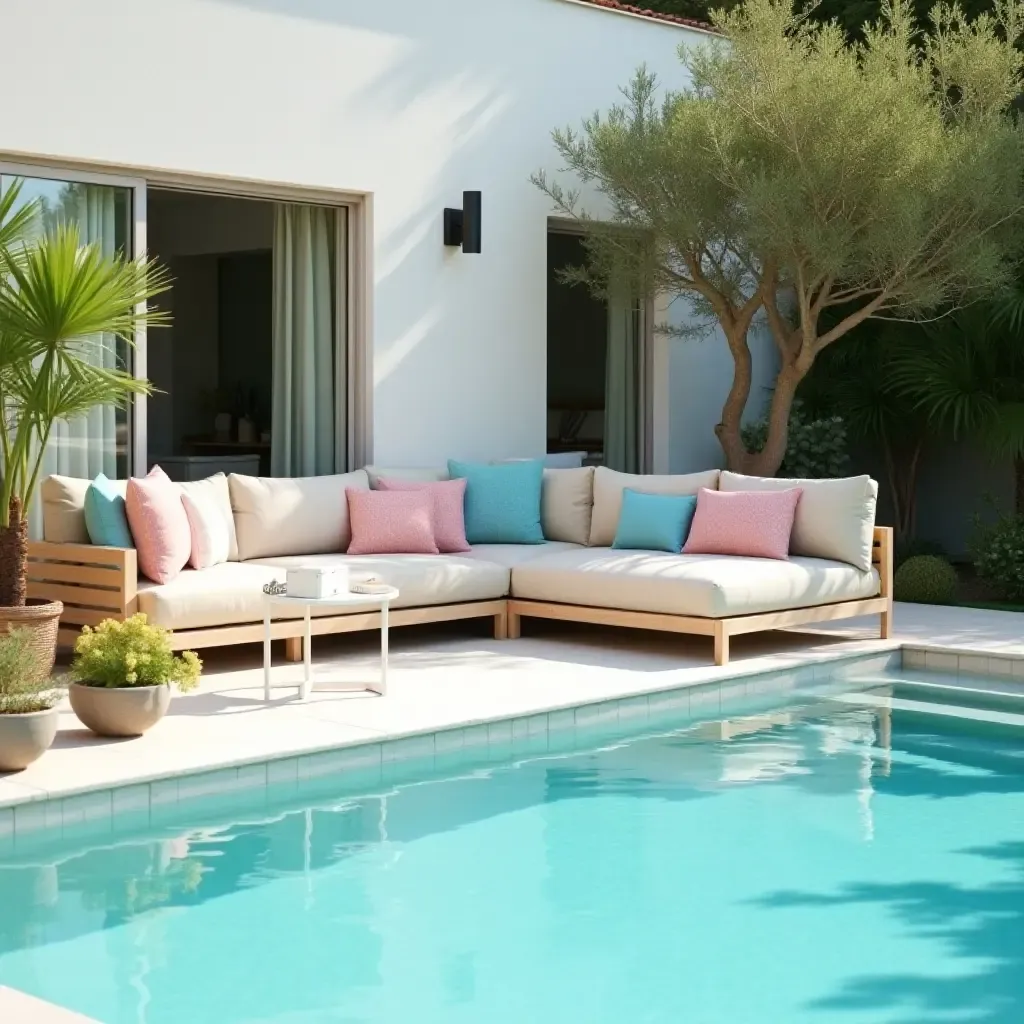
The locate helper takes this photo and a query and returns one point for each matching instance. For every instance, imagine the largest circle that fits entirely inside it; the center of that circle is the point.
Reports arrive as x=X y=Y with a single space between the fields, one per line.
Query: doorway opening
x=596 y=383
x=251 y=376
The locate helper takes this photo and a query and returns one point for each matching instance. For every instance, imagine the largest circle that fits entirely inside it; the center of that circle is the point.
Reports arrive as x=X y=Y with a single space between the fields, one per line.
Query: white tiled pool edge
x=93 y=810
x=963 y=661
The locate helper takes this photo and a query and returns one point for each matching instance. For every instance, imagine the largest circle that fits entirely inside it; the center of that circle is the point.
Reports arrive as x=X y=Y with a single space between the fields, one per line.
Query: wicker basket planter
x=41 y=618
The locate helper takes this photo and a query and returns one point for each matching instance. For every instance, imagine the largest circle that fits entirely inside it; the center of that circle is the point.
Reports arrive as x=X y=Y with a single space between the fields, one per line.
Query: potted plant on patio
x=123 y=673
x=28 y=703
x=62 y=305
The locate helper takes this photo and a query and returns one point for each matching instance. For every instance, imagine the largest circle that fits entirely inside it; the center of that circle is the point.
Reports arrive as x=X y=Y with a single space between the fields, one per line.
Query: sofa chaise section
x=711 y=595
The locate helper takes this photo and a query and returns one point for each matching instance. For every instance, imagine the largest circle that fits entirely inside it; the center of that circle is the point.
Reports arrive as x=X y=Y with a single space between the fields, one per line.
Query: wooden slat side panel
x=85 y=597
x=67 y=572
x=82 y=554
x=74 y=616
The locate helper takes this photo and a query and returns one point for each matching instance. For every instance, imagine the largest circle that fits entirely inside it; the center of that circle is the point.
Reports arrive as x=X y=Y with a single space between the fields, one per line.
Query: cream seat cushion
x=711 y=586
x=834 y=518
x=292 y=515
x=608 y=488
x=511 y=555
x=232 y=592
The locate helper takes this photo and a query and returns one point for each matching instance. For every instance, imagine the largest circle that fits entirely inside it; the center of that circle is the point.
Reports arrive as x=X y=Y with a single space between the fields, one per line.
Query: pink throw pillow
x=448 y=498
x=391 y=523
x=756 y=524
x=159 y=525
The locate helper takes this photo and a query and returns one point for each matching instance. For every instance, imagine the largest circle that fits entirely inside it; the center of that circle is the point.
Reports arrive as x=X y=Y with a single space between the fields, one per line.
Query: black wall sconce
x=462 y=227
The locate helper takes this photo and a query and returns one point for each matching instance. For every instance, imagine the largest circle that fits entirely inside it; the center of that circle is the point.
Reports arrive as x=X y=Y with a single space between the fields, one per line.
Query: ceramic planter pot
x=119 y=711
x=25 y=738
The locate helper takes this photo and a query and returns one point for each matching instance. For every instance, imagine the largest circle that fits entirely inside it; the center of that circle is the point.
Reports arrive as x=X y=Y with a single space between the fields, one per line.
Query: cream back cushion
x=834 y=518
x=213 y=494
x=566 y=504
x=429 y=475
x=63 y=500
x=608 y=488
x=292 y=515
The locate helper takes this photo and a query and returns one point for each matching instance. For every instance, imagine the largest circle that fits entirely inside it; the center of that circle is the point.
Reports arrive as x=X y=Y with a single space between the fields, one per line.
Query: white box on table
x=316 y=584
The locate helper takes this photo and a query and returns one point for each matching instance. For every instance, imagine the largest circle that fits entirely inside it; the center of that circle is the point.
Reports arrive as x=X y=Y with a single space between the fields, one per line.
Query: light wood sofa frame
x=97 y=583
x=724 y=629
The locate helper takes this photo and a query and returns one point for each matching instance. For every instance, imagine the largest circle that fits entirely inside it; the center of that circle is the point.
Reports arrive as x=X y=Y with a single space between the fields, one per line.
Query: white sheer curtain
x=87 y=445
x=623 y=384
x=309 y=375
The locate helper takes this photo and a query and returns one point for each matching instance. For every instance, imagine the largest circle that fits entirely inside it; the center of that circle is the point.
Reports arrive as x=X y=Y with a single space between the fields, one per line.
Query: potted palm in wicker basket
x=61 y=302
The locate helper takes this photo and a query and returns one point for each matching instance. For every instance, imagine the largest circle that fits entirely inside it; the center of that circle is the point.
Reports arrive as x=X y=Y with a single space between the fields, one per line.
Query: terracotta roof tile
x=674 y=19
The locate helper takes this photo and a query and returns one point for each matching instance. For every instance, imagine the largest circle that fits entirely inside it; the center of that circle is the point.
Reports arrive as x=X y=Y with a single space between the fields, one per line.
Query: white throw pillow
x=211 y=539
x=214 y=494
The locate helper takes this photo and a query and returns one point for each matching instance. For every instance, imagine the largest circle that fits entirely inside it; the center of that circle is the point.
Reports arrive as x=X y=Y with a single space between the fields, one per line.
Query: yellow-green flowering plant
x=132 y=653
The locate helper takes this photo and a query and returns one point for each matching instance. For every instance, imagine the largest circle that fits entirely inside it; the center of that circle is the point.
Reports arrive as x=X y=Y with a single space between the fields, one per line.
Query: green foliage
x=816 y=447
x=998 y=554
x=914 y=546
x=883 y=179
x=925 y=579
x=132 y=653
x=61 y=302
x=23 y=687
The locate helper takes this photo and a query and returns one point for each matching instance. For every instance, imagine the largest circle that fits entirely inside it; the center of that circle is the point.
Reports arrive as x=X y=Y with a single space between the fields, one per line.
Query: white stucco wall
x=410 y=101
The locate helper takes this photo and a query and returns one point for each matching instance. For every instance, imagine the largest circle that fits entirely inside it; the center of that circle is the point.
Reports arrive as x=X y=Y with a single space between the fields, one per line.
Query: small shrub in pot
x=28 y=700
x=123 y=674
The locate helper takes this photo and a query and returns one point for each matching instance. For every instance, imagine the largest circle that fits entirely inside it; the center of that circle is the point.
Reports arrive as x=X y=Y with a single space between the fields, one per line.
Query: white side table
x=381 y=601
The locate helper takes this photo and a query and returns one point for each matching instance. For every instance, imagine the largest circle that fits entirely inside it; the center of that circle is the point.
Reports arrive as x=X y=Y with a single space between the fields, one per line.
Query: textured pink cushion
x=752 y=523
x=448 y=510
x=159 y=525
x=391 y=523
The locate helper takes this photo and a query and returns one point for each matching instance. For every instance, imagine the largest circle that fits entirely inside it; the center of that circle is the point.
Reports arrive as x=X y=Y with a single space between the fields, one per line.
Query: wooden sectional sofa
x=840 y=564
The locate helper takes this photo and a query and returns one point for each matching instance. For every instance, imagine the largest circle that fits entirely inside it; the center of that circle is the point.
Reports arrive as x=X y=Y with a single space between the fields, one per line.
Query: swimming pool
x=849 y=858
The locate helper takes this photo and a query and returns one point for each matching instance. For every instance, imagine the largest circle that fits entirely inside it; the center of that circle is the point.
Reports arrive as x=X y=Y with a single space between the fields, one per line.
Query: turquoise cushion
x=105 y=517
x=654 y=522
x=502 y=501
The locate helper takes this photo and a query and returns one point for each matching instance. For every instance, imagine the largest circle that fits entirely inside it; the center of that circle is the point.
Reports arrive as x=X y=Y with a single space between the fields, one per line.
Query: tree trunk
x=1018 y=493
x=13 y=559
x=767 y=461
x=730 y=430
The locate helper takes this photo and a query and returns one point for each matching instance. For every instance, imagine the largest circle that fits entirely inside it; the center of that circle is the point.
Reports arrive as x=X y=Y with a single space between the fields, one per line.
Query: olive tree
x=807 y=183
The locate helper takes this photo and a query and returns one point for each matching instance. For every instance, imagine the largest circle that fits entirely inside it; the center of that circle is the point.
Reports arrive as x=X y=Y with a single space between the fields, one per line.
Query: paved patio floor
x=442 y=679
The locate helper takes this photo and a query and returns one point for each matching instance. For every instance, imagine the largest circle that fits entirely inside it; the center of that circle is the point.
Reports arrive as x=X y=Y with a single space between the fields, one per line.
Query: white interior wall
x=409 y=101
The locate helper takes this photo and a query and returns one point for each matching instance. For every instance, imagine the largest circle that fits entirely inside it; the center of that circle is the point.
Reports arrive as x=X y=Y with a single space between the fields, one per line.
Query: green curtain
x=622 y=384
x=309 y=375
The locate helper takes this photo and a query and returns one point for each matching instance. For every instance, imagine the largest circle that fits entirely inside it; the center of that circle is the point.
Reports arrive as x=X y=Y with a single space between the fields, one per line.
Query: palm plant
x=59 y=301
x=967 y=379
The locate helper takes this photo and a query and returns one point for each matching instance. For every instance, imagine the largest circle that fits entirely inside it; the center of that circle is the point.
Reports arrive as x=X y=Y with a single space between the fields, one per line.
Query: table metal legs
x=266 y=653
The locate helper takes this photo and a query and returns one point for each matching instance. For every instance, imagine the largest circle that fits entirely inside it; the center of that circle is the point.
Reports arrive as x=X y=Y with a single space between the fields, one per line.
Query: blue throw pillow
x=106 y=518
x=654 y=522
x=502 y=501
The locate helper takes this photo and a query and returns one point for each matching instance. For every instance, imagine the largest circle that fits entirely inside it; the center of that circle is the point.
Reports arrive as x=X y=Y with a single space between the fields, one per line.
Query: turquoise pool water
x=833 y=862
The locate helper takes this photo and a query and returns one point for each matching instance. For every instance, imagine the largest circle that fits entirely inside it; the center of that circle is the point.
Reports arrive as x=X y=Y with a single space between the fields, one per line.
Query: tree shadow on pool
x=982 y=927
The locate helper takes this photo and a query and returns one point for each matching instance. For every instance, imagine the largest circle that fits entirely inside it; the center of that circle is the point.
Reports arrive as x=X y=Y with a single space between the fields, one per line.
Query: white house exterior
x=395 y=108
